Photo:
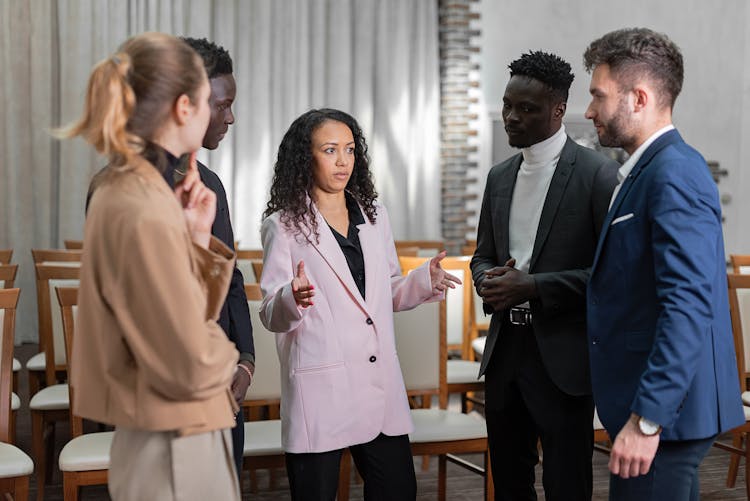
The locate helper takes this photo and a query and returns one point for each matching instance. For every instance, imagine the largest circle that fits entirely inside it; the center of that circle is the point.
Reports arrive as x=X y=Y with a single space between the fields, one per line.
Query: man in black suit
x=235 y=315
x=539 y=224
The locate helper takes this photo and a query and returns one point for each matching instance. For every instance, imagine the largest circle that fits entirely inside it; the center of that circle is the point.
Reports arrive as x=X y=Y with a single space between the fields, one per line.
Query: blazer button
x=215 y=271
x=373 y=358
x=595 y=340
x=369 y=322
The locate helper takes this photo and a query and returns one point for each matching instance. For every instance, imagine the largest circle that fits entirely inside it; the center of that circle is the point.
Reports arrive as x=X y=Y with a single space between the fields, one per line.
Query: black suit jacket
x=235 y=314
x=566 y=238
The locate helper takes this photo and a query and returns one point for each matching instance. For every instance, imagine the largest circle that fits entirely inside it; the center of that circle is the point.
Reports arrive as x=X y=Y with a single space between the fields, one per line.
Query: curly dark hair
x=215 y=58
x=633 y=53
x=292 y=175
x=551 y=70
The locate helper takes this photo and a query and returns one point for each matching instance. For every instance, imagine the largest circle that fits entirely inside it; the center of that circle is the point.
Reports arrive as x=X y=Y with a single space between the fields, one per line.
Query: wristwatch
x=648 y=427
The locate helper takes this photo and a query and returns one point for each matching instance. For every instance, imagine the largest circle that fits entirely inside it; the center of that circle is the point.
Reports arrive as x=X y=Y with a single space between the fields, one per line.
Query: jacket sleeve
x=167 y=297
x=413 y=289
x=485 y=255
x=685 y=228
x=278 y=311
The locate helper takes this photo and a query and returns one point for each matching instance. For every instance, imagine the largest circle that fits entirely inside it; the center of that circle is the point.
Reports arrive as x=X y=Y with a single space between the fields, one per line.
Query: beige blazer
x=148 y=353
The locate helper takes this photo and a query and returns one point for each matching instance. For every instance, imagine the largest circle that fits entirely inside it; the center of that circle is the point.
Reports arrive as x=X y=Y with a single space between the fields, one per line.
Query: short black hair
x=632 y=53
x=215 y=58
x=551 y=70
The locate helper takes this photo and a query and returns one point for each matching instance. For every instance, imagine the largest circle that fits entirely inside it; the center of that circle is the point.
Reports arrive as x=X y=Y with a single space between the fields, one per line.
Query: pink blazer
x=341 y=380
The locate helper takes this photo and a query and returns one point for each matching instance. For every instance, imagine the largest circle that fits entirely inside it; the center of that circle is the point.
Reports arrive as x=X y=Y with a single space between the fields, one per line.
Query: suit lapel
x=506 y=184
x=331 y=252
x=557 y=185
x=661 y=142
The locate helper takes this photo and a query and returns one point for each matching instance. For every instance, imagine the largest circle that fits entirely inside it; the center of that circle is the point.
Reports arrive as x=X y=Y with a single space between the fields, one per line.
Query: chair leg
x=12 y=431
x=489 y=484
x=37 y=446
x=70 y=486
x=49 y=441
x=734 y=460
x=345 y=475
x=35 y=382
x=21 y=488
x=426 y=404
x=442 y=473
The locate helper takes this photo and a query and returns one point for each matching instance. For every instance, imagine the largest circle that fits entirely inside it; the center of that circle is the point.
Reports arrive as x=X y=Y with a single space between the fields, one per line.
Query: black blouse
x=350 y=245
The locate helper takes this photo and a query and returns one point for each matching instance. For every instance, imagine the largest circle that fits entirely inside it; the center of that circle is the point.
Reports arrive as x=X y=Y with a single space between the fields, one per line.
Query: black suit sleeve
x=485 y=254
x=565 y=290
x=235 y=314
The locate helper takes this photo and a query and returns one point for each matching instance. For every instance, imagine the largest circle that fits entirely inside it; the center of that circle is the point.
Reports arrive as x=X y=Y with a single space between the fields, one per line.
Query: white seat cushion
x=51 y=398
x=747 y=412
x=746 y=397
x=87 y=452
x=478 y=345
x=14 y=462
x=15 y=402
x=436 y=425
x=37 y=362
x=16 y=365
x=463 y=371
x=262 y=438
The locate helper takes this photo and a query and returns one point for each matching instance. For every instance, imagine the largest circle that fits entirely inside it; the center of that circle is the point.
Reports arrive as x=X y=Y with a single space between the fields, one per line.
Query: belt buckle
x=520 y=316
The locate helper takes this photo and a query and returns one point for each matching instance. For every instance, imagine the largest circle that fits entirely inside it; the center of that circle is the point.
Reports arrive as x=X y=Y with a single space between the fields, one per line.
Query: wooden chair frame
x=8 y=274
x=739 y=447
x=249 y=254
x=18 y=487
x=5 y=256
x=738 y=261
x=73 y=244
x=436 y=245
x=74 y=480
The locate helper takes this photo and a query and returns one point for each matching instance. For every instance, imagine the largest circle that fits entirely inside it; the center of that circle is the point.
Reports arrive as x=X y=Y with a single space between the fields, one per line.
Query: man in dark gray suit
x=540 y=220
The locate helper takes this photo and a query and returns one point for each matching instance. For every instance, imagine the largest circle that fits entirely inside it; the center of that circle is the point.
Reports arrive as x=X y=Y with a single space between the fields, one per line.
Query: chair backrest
x=247 y=267
x=740 y=263
x=5 y=256
x=51 y=339
x=8 y=275
x=67 y=299
x=421 y=348
x=266 y=386
x=739 y=310
x=459 y=304
x=249 y=253
x=73 y=244
x=426 y=248
x=56 y=255
x=8 y=303
x=407 y=251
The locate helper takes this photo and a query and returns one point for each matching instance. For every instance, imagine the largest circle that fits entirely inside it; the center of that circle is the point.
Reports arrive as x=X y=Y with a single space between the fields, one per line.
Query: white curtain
x=376 y=59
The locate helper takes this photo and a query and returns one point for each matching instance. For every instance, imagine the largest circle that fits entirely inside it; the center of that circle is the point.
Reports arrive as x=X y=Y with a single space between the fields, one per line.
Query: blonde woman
x=149 y=357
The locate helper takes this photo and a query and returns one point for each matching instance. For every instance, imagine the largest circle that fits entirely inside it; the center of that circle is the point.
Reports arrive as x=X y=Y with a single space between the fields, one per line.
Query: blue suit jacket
x=659 y=332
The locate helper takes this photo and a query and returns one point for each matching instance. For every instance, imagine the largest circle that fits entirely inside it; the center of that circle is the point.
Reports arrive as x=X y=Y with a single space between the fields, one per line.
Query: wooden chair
x=73 y=244
x=84 y=460
x=5 y=256
x=51 y=403
x=425 y=248
x=8 y=275
x=739 y=448
x=15 y=465
x=422 y=351
x=7 y=279
x=245 y=262
x=257 y=265
x=37 y=364
x=740 y=263
x=469 y=248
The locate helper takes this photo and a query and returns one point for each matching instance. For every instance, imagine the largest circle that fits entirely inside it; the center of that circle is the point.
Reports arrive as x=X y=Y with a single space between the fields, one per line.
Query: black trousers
x=673 y=474
x=523 y=406
x=385 y=464
x=238 y=442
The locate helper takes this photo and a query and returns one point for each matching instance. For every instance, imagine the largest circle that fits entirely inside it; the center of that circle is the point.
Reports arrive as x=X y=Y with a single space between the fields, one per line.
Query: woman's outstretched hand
x=302 y=289
x=441 y=280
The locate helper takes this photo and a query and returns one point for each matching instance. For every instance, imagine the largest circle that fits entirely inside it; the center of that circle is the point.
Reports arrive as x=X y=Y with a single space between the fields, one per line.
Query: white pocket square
x=621 y=219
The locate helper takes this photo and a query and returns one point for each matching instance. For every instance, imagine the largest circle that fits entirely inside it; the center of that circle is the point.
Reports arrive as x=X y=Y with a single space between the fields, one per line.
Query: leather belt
x=519 y=316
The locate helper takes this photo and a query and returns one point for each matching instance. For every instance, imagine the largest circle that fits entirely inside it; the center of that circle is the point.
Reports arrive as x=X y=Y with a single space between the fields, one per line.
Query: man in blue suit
x=662 y=358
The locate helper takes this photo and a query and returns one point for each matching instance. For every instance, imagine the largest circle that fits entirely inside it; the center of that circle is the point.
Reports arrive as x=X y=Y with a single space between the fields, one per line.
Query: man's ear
x=182 y=109
x=641 y=97
x=559 y=111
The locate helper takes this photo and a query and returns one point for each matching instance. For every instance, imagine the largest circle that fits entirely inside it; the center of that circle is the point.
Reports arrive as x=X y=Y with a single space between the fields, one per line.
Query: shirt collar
x=545 y=151
x=624 y=170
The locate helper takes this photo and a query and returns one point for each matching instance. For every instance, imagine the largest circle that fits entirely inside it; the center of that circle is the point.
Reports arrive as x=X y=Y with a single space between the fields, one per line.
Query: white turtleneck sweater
x=532 y=183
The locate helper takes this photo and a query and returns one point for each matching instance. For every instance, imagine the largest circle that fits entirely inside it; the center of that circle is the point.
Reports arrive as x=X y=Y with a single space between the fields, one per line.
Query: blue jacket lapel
x=661 y=142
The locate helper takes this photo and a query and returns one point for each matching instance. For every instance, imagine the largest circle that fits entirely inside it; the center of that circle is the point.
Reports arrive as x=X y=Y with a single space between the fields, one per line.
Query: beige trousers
x=149 y=465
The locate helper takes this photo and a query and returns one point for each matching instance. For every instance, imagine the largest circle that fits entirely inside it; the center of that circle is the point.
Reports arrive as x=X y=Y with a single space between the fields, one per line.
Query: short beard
x=617 y=133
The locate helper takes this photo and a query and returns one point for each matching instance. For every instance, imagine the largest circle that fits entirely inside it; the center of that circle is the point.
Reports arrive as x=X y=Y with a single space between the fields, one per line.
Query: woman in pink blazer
x=331 y=282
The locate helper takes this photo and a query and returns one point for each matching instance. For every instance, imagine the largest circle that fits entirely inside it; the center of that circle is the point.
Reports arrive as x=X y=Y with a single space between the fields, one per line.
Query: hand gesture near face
x=198 y=204
x=302 y=289
x=440 y=279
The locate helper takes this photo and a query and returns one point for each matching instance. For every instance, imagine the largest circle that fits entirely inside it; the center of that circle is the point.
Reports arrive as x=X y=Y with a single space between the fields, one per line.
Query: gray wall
x=713 y=111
